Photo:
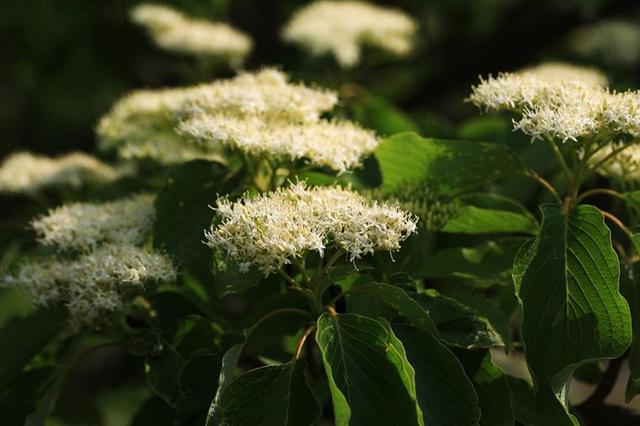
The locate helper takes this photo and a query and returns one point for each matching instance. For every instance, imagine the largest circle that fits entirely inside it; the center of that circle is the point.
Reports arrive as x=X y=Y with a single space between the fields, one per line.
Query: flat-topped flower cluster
x=84 y=226
x=174 y=31
x=561 y=102
x=342 y=27
x=100 y=260
x=24 y=172
x=270 y=230
x=259 y=114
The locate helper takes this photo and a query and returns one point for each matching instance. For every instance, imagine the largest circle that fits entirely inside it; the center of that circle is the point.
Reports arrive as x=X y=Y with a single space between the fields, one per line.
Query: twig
x=302 y=340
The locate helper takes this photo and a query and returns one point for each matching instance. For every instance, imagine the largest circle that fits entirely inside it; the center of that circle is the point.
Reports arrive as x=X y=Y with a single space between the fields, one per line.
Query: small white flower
x=270 y=230
x=174 y=31
x=84 y=226
x=341 y=27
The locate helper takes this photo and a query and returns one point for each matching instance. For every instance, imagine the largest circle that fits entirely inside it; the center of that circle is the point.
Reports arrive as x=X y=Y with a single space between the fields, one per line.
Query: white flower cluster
x=613 y=42
x=92 y=284
x=142 y=124
x=341 y=27
x=85 y=226
x=28 y=173
x=107 y=261
x=336 y=145
x=560 y=101
x=270 y=230
x=174 y=31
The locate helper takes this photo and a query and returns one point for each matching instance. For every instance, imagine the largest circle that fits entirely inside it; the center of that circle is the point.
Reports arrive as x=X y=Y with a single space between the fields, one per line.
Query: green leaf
x=377 y=113
x=487 y=128
x=183 y=213
x=22 y=394
x=459 y=325
x=490 y=261
x=450 y=167
x=445 y=394
x=573 y=312
x=271 y=395
x=24 y=337
x=370 y=378
x=491 y=386
x=193 y=336
x=398 y=300
x=491 y=213
x=631 y=291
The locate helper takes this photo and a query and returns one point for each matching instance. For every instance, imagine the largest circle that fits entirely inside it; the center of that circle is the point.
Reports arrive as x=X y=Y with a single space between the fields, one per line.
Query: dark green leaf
x=491 y=213
x=197 y=381
x=271 y=395
x=567 y=281
x=490 y=261
x=631 y=291
x=491 y=386
x=451 y=167
x=154 y=411
x=459 y=325
x=370 y=378
x=398 y=300
x=21 y=395
x=376 y=113
x=24 y=337
x=445 y=394
x=183 y=213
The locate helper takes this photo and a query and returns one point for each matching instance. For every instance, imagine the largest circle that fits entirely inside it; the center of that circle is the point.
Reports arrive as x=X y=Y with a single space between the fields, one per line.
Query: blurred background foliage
x=63 y=64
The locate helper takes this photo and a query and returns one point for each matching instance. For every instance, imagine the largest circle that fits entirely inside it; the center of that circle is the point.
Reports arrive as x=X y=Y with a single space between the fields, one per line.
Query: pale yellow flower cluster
x=623 y=166
x=174 y=31
x=613 y=42
x=102 y=259
x=272 y=229
x=560 y=101
x=142 y=124
x=336 y=145
x=85 y=226
x=342 y=27
x=29 y=173
x=93 y=284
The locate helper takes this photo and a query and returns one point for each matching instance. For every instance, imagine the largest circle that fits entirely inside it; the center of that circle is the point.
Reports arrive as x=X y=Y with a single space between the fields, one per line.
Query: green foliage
x=507 y=258
x=26 y=336
x=567 y=281
x=357 y=350
x=450 y=167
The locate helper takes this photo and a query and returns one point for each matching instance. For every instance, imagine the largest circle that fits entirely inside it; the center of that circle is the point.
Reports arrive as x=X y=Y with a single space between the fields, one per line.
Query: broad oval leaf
x=370 y=378
x=277 y=395
x=567 y=283
x=445 y=394
x=451 y=167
